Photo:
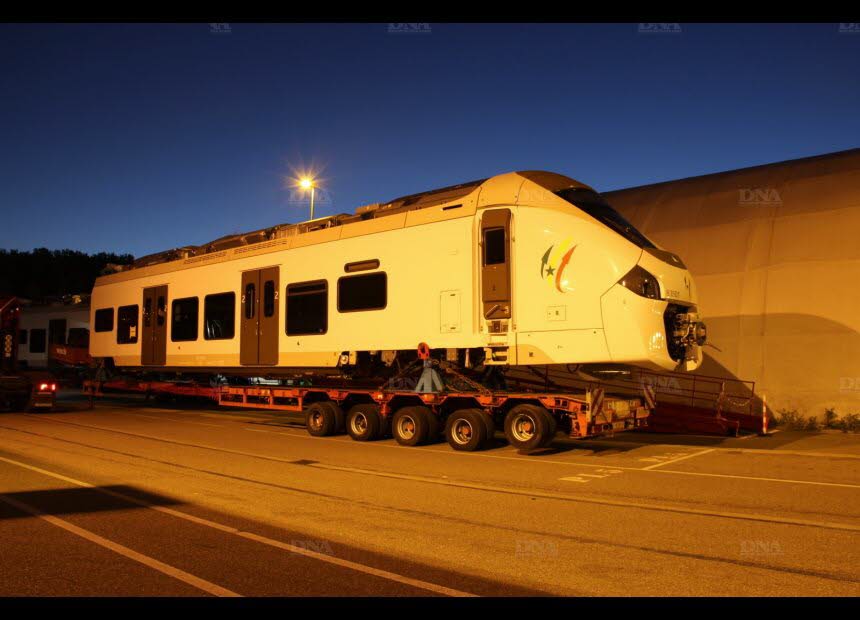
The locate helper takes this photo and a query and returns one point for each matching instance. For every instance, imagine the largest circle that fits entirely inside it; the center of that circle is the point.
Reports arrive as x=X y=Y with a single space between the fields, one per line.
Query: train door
x=260 y=310
x=153 y=347
x=496 y=302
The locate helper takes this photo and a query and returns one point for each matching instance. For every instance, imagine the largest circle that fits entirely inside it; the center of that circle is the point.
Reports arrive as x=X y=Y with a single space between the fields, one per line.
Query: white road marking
x=167 y=569
x=418 y=583
x=455 y=453
x=574 y=479
x=594 y=500
x=680 y=458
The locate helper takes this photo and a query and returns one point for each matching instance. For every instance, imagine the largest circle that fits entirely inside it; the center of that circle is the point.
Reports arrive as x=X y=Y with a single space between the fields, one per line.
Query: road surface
x=133 y=498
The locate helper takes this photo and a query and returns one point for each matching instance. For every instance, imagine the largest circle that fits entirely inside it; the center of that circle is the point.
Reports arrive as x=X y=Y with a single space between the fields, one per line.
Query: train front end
x=609 y=294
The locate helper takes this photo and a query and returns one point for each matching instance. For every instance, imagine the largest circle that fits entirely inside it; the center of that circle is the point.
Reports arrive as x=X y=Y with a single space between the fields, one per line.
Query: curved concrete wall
x=775 y=250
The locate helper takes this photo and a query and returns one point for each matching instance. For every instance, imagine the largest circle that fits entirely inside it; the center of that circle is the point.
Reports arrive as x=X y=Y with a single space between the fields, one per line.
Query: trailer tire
x=527 y=427
x=320 y=419
x=363 y=423
x=553 y=427
x=339 y=416
x=435 y=427
x=465 y=430
x=411 y=425
x=491 y=429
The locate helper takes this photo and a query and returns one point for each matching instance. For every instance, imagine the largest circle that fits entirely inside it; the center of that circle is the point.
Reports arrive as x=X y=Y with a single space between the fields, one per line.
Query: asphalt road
x=151 y=499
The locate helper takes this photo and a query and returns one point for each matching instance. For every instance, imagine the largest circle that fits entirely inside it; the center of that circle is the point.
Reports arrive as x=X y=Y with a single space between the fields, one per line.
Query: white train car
x=58 y=325
x=522 y=268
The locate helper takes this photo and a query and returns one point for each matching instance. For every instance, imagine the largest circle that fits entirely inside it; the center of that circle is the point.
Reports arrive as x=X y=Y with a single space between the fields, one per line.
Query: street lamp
x=308 y=183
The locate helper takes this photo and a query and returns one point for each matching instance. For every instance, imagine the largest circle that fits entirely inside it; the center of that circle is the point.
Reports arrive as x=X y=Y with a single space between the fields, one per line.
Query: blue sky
x=137 y=138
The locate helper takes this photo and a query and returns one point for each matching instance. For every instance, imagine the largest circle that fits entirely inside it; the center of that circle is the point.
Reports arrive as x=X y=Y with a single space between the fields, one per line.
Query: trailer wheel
x=491 y=428
x=411 y=425
x=528 y=427
x=364 y=423
x=465 y=430
x=320 y=419
x=339 y=416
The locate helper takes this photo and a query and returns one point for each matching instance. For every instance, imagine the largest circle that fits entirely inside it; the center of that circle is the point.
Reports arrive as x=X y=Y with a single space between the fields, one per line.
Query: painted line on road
x=593 y=500
x=446 y=452
x=363 y=568
x=680 y=458
x=167 y=569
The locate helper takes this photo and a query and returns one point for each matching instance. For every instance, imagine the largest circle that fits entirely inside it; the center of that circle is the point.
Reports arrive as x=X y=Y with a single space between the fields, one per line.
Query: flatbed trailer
x=468 y=418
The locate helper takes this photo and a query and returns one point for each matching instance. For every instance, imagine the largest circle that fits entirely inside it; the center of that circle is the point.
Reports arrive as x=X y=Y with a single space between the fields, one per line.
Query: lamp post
x=307 y=183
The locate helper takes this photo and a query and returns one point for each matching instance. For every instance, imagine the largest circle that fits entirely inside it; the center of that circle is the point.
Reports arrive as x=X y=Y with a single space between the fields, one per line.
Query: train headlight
x=641 y=282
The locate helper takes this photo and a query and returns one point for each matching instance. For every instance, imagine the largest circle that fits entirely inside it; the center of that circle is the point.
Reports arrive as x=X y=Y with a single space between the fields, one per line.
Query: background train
x=523 y=268
x=55 y=332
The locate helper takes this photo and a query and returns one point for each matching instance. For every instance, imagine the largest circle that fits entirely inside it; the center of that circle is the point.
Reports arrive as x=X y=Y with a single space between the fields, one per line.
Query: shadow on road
x=83 y=500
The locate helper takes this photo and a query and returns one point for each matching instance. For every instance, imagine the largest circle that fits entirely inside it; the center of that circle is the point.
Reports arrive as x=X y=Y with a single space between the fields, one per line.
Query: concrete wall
x=776 y=254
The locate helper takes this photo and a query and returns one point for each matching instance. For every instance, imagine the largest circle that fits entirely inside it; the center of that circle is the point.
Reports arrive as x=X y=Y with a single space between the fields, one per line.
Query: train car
x=52 y=331
x=523 y=268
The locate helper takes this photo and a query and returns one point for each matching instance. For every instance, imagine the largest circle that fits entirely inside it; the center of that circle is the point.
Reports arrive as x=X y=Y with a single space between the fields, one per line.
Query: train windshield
x=593 y=203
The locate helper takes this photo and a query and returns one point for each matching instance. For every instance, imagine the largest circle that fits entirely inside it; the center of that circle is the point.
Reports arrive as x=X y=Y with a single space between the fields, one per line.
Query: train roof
x=412 y=202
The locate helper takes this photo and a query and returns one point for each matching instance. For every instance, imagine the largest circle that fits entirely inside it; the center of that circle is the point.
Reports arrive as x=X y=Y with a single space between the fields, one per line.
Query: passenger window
x=79 y=337
x=147 y=312
x=22 y=336
x=37 y=340
x=184 y=319
x=307 y=308
x=219 y=316
x=104 y=320
x=494 y=246
x=364 y=292
x=250 y=293
x=126 y=324
x=269 y=298
x=161 y=311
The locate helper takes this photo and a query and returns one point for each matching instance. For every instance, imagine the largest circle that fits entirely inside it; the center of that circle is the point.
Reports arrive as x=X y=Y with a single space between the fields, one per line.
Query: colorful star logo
x=554 y=263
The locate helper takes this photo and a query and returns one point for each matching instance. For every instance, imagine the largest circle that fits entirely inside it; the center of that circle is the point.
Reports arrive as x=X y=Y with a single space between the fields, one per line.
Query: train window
x=249 y=300
x=104 y=320
x=494 y=246
x=307 y=308
x=219 y=316
x=126 y=324
x=147 y=311
x=184 y=322
x=37 y=340
x=79 y=337
x=362 y=265
x=269 y=298
x=22 y=336
x=594 y=204
x=160 y=310
x=364 y=292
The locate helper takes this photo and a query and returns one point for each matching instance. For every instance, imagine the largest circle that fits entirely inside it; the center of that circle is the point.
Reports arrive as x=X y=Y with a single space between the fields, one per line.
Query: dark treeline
x=52 y=273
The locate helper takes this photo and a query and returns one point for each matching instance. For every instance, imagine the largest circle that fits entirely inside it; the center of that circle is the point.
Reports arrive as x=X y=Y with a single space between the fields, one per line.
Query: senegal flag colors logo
x=554 y=264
